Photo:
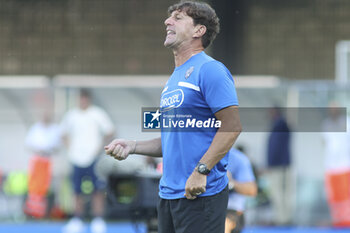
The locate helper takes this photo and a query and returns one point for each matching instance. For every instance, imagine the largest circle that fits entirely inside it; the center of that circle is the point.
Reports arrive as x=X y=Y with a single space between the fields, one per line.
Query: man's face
x=84 y=102
x=180 y=29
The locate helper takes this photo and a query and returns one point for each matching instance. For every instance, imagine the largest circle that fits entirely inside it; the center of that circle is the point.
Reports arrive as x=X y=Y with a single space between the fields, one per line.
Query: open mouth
x=170 y=32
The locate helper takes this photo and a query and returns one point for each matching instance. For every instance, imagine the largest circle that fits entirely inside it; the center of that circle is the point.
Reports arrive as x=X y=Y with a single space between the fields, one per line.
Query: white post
x=342 y=62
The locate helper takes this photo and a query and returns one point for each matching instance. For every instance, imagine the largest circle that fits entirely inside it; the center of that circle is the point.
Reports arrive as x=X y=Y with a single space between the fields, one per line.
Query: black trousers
x=201 y=215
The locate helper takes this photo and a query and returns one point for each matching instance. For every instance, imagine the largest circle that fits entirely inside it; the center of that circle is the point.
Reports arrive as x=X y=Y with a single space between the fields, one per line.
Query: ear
x=199 y=31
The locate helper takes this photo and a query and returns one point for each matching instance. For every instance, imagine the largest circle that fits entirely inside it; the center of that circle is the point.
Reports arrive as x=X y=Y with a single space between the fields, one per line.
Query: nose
x=168 y=21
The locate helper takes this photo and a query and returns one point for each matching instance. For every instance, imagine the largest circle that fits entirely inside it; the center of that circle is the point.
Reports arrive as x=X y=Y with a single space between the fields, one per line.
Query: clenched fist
x=120 y=149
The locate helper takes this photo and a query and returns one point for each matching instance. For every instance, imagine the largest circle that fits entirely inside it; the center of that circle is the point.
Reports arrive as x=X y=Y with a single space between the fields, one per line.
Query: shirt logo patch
x=172 y=99
x=189 y=72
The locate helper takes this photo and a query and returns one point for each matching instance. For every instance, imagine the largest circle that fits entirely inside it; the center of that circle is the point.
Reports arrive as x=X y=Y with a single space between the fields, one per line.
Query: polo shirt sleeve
x=217 y=86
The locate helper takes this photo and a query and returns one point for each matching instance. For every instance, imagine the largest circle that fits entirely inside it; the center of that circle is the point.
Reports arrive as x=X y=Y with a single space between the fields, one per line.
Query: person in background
x=278 y=168
x=241 y=184
x=337 y=164
x=85 y=130
x=42 y=139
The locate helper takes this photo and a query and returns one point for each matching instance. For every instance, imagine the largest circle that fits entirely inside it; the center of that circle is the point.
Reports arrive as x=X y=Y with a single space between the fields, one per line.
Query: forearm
x=225 y=136
x=219 y=147
x=246 y=188
x=120 y=149
x=151 y=147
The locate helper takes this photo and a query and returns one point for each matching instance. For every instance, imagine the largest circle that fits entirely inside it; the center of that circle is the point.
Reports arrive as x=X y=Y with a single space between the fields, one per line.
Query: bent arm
x=120 y=148
x=245 y=188
x=221 y=144
x=225 y=136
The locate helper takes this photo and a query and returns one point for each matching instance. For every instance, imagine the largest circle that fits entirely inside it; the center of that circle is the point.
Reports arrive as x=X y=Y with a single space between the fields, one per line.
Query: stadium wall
x=293 y=39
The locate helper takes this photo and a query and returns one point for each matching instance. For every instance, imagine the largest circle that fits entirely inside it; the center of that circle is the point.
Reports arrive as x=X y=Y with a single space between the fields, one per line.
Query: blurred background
x=290 y=53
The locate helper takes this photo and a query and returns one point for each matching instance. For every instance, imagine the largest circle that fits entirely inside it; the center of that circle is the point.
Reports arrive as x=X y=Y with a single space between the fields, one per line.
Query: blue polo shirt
x=198 y=88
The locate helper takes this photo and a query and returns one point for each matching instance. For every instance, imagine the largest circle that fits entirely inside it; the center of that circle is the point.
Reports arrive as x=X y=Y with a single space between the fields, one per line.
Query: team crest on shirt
x=189 y=72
